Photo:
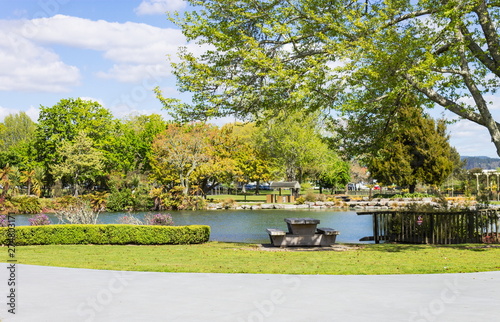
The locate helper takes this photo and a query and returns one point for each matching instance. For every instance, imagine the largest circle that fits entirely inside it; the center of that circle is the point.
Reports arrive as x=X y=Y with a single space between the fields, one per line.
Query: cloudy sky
x=114 y=52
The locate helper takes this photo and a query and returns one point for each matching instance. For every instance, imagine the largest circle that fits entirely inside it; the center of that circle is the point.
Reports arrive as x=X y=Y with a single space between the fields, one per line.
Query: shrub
x=39 y=220
x=3 y=221
x=129 y=220
x=159 y=219
x=176 y=201
x=107 y=234
x=120 y=200
x=98 y=200
x=129 y=200
x=320 y=197
x=65 y=202
x=78 y=214
x=300 y=201
x=310 y=197
x=228 y=203
x=25 y=205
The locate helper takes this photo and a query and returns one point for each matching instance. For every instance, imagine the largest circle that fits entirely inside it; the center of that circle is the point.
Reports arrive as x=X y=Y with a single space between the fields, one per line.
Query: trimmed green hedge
x=107 y=234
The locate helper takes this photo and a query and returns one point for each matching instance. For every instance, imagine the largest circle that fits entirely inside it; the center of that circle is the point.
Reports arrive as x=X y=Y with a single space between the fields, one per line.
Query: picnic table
x=302 y=232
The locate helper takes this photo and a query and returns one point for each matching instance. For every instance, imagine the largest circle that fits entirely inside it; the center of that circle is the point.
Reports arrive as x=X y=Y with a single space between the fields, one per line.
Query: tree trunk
x=411 y=188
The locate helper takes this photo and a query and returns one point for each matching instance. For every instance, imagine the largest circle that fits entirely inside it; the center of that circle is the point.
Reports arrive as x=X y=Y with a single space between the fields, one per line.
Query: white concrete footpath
x=67 y=294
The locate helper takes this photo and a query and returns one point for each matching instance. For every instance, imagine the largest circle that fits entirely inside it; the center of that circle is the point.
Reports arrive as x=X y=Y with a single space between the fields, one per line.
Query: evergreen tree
x=408 y=149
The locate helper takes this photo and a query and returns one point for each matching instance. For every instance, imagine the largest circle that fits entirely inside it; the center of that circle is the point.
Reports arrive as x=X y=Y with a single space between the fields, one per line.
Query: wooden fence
x=481 y=226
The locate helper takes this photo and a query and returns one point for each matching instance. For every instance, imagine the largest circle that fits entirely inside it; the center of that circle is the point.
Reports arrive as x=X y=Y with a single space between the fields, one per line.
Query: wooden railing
x=454 y=227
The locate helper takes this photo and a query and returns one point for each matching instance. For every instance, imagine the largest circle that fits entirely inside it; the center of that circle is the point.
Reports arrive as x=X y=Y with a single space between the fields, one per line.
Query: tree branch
x=489 y=31
x=410 y=15
x=444 y=102
x=448 y=71
x=478 y=52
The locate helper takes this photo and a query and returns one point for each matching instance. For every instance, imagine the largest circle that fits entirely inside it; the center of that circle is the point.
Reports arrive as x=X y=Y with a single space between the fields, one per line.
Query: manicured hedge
x=106 y=234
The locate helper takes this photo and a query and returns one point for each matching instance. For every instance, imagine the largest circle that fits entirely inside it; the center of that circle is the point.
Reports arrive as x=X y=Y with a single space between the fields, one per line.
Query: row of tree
x=78 y=146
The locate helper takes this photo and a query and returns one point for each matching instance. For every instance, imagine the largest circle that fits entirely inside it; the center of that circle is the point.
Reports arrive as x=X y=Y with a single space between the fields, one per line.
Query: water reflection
x=249 y=226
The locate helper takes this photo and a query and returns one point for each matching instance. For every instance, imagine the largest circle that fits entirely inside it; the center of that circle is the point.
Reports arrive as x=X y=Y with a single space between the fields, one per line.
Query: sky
x=115 y=52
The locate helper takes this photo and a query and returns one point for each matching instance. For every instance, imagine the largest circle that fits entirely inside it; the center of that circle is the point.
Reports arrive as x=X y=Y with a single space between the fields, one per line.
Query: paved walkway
x=66 y=294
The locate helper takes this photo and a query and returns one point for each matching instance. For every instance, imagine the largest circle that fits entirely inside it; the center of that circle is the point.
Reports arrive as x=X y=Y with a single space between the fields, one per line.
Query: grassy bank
x=215 y=257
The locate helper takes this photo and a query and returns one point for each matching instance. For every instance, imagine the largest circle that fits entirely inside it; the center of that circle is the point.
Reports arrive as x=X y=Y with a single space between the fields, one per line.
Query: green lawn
x=218 y=257
x=239 y=198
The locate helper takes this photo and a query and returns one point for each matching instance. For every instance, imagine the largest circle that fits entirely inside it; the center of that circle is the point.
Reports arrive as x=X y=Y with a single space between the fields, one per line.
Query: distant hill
x=481 y=162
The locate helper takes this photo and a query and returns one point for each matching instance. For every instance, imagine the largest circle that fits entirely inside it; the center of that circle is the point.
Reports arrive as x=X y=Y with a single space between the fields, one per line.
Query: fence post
x=470 y=225
x=375 y=228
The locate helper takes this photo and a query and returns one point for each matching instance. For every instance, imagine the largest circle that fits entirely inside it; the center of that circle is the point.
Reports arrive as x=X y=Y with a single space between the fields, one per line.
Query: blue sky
x=114 y=52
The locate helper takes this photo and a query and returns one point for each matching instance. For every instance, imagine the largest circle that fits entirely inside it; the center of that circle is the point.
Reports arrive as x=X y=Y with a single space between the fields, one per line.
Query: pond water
x=249 y=226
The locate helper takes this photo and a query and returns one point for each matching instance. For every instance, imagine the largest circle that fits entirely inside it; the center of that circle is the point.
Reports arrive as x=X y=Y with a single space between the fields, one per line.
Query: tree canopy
x=413 y=149
x=271 y=55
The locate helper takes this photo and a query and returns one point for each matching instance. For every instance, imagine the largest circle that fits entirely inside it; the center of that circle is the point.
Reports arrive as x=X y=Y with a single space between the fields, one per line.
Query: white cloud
x=26 y=66
x=32 y=112
x=91 y=99
x=155 y=7
x=138 y=50
x=471 y=139
x=132 y=73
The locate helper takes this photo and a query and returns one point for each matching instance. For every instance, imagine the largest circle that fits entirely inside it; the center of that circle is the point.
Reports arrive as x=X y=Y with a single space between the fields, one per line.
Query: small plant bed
x=217 y=257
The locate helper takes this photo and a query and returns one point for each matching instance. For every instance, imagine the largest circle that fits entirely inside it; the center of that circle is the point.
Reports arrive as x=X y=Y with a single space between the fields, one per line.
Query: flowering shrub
x=159 y=219
x=39 y=220
x=3 y=221
x=130 y=220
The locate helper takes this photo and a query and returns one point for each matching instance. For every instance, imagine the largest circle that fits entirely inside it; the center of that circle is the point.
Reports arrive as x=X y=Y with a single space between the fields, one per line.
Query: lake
x=249 y=226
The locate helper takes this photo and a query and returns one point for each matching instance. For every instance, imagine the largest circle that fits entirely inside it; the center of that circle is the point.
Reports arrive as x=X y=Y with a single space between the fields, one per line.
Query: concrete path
x=67 y=294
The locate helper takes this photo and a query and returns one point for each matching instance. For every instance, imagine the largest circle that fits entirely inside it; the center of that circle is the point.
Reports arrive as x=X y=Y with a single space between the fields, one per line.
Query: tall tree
x=63 y=122
x=16 y=128
x=81 y=162
x=16 y=140
x=284 y=55
x=335 y=173
x=180 y=150
x=253 y=161
x=294 y=143
x=410 y=149
x=129 y=147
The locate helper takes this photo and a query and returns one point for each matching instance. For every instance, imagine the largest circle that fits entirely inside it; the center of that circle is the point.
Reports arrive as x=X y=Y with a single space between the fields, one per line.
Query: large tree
x=128 y=149
x=253 y=161
x=408 y=149
x=268 y=55
x=16 y=140
x=80 y=164
x=179 y=151
x=63 y=122
x=294 y=143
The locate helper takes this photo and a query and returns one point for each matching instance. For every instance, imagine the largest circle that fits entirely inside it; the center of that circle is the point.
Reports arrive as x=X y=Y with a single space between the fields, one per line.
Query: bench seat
x=275 y=232
x=327 y=231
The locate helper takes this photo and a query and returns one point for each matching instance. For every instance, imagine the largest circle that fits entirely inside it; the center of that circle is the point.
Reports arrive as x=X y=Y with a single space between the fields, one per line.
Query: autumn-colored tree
x=253 y=164
x=179 y=151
